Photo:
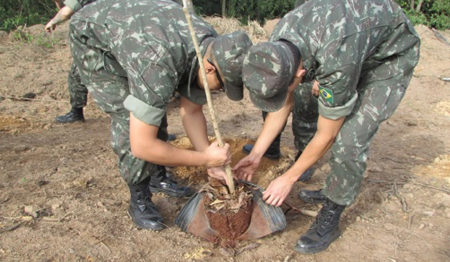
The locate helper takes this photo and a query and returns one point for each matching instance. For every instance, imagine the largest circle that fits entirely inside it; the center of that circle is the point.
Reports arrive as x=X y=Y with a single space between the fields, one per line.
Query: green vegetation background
x=16 y=13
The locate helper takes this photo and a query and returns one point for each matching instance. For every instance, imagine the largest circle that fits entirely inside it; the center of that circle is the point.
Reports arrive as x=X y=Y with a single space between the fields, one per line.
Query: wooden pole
x=212 y=112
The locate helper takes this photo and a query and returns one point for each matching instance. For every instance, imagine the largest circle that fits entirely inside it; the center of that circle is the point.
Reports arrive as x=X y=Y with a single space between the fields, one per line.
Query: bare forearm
x=273 y=125
x=194 y=123
x=314 y=151
x=64 y=14
x=323 y=139
x=157 y=151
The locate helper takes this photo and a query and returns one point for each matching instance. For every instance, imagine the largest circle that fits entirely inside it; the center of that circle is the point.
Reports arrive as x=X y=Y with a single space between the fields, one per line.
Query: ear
x=208 y=67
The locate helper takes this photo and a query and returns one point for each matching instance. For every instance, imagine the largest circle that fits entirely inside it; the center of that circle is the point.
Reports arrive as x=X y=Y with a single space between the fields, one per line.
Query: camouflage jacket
x=76 y=5
x=339 y=40
x=150 y=40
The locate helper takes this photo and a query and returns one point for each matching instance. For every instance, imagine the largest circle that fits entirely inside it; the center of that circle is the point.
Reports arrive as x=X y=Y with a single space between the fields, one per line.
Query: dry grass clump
x=229 y=25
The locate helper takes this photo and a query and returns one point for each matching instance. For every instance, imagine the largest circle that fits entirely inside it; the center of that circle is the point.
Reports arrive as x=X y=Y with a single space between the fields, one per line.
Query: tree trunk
x=224 y=10
x=419 y=5
x=412 y=5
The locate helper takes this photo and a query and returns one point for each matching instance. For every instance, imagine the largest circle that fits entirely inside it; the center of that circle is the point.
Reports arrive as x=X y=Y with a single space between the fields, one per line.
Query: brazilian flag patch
x=327 y=95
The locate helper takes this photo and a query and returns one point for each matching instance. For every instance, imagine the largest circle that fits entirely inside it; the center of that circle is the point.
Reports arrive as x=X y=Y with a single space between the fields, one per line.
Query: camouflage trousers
x=77 y=91
x=107 y=83
x=378 y=98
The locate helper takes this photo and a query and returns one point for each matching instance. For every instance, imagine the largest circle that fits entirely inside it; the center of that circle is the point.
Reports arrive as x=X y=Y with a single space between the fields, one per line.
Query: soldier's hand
x=277 y=191
x=315 y=88
x=50 y=26
x=218 y=156
x=246 y=167
x=217 y=173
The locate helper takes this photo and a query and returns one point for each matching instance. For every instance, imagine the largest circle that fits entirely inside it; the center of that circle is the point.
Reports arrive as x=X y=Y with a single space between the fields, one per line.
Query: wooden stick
x=212 y=112
x=305 y=212
x=23 y=99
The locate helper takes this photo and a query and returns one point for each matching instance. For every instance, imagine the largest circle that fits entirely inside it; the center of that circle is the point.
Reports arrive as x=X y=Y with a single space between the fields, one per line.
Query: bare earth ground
x=62 y=198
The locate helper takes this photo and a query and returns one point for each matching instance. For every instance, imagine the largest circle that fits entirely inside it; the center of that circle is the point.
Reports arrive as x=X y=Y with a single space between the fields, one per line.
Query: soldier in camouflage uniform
x=273 y=151
x=163 y=182
x=77 y=91
x=362 y=53
x=133 y=55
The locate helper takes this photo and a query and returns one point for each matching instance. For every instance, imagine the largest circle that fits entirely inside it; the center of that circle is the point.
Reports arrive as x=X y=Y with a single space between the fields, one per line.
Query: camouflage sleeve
x=337 y=97
x=150 y=91
x=338 y=75
x=299 y=3
x=193 y=93
x=76 y=5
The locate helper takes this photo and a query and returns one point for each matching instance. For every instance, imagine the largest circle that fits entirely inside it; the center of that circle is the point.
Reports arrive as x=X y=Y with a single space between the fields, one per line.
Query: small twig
x=398 y=161
x=4 y=200
x=24 y=218
x=301 y=211
x=380 y=181
x=48 y=219
x=410 y=220
x=246 y=248
x=440 y=37
x=400 y=198
x=432 y=187
x=11 y=228
x=23 y=99
x=412 y=182
x=109 y=249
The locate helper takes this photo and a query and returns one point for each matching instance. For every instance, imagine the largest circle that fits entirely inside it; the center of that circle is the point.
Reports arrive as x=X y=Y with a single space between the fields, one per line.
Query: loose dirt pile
x=230 y=218
x=266 y=172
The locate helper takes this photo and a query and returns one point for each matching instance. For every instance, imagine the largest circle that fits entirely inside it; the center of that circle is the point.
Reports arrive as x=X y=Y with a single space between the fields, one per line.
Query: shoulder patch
x=327 y=95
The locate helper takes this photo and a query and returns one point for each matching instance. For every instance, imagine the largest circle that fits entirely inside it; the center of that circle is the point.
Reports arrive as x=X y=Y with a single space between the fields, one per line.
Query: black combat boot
x=162 y=182
x=323 y=231
x=312 y=196
x=74 y=115
x=142 y=210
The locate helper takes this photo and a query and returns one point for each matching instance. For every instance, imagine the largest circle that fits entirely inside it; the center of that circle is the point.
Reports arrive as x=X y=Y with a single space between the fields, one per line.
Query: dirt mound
x=270 y=25
x=267 y=171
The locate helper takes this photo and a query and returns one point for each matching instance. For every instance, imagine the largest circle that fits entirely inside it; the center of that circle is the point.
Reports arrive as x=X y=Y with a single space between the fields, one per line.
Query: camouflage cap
x=228 y=52
x=268 y=69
